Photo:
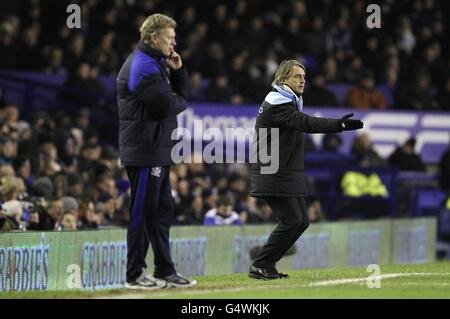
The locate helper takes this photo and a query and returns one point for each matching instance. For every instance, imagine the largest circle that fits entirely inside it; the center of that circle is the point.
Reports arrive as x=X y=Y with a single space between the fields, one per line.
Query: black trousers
x=293 y=215
x=151 y=212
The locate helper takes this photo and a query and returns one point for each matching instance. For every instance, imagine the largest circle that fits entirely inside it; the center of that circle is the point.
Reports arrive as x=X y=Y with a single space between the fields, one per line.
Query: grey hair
x=285 y=70
x=155 y=23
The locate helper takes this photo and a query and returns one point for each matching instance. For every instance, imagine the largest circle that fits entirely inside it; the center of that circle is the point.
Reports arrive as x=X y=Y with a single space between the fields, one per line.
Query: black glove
x=350 y=125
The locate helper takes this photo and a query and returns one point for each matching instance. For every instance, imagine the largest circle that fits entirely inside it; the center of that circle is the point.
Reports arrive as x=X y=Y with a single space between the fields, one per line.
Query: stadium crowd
x=54 y=172
x=232 y=49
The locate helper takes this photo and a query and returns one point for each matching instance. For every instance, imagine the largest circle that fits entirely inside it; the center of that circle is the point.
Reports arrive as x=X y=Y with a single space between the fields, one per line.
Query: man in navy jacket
x=151 y=90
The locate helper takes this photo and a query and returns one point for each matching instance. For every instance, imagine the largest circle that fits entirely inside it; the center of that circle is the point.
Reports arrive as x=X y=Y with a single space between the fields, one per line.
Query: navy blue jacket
x=149 y=97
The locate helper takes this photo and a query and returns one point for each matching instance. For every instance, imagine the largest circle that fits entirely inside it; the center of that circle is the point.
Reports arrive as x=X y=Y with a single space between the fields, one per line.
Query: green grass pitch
x=396 y=281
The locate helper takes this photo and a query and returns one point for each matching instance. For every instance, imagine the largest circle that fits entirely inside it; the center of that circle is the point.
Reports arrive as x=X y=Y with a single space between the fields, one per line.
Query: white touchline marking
x=363 y=279
x=171 y=292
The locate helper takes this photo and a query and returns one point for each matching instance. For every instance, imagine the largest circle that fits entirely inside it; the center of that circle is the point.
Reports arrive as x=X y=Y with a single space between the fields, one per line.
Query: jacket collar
x=149 y=50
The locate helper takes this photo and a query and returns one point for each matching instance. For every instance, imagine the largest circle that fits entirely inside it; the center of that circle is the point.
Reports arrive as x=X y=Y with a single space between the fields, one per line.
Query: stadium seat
x=427 y=202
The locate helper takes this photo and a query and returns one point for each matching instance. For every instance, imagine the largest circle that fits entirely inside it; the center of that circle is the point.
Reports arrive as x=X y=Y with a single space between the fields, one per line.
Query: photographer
x=12 y=188
x=39 y=218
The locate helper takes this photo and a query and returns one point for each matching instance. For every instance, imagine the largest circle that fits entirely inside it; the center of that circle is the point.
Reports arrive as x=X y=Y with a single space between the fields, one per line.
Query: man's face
x=297 y=80
x=164 y=41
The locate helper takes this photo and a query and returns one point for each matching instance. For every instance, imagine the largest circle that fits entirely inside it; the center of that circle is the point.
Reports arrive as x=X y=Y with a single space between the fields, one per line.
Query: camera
x=32 y=205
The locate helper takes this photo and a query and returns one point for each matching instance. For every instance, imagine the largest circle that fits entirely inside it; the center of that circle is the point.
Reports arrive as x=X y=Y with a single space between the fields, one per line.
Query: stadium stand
x=58 y=113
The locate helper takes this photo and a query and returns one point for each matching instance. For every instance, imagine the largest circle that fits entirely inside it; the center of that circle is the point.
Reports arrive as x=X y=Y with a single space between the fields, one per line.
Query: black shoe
x=263 y=273
x=281 y=275
x=178 y=281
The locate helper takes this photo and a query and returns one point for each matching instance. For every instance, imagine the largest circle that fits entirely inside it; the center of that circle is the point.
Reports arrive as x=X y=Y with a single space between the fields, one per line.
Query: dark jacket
x=406 y=162
x=282 y=110
x=149 y=97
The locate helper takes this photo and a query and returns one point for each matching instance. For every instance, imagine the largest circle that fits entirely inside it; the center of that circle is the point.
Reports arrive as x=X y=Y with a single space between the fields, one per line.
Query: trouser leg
x=151 y=209
x=293 y=216
x=160 y=235
x=137 y=239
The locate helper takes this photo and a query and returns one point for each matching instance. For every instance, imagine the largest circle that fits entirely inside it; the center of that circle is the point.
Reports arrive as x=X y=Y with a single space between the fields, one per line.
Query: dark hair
x=224 y=200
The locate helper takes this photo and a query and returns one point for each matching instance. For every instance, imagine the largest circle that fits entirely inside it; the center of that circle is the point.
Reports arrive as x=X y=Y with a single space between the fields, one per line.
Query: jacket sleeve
x=180 y=81
x=285 y=115
x=159 y=98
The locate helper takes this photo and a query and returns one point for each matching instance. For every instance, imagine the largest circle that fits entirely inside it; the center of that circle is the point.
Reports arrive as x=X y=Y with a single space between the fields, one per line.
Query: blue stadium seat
x=427 y=202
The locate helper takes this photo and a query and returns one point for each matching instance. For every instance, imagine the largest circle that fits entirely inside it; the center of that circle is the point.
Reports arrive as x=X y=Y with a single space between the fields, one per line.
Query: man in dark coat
x=405 y=158
x=152 y=89
x=282 y=123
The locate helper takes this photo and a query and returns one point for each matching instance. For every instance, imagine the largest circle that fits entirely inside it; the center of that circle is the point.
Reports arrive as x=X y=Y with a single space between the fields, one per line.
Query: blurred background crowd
x=55 y=171
x=233 y=48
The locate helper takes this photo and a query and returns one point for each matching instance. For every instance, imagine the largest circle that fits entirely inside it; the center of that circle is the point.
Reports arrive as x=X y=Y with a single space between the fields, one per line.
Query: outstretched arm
x=285 y=115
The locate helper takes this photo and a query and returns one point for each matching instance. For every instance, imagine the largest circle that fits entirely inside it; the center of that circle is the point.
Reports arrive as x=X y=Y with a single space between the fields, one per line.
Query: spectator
x=49 y=159
x=56 y=212
x=318 y=39
x=219 y=91
x=262 y=213
x=416 y=95
x=341 y=34
x=355 y=70
x=315 y=212
x=405 y=159
x=8 y=57
x=8 y=222
x=195 y=213
x=407 y=39
x=317 y=94
x=331 y=142
x=22 y=168
x=197 y=91
x=10 y=117
x=104 y=56
x=107 y=208
x=69 y=222
x=247 y=209
x=223 y=214
x=371 y=54
x=70 y=206
x=330 y=70
x=183 y=199
x=83 y=119
x=88 y=217
x=83 y=78
x=75 y=50
x=364 y=95
x=12 y=189
x=8 y=151
x=75 y=185
x=29 y=50
x=41 y=187
x=212 y=65
x=364 y=153
x=54 y=57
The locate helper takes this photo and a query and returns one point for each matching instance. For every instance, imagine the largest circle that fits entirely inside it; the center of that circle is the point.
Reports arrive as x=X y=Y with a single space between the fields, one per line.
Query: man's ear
x=153 y=38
